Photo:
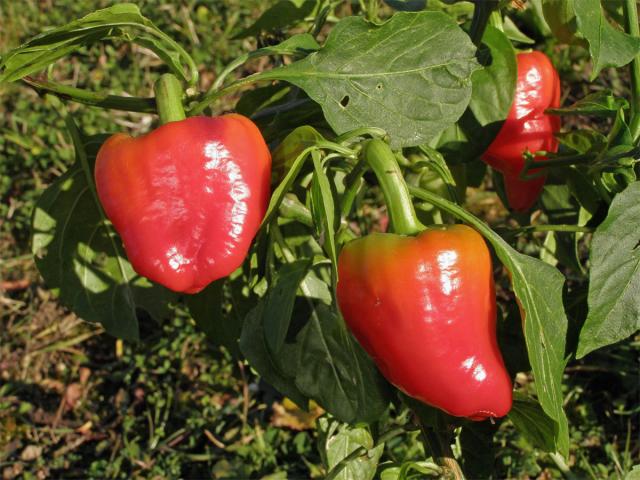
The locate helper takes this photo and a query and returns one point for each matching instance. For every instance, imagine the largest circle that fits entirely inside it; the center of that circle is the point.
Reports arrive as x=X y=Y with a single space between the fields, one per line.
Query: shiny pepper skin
x=424 y=308
x=187 y=198
x=527 y=127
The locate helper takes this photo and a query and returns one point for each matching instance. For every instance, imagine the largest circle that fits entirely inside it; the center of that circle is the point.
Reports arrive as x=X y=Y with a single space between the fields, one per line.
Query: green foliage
x=608 y=46
x=79 y=257
x=112 y=22
x=285 y=13
x=280 y=305
x=340 y=445
x=358 y=74
x=614 y=289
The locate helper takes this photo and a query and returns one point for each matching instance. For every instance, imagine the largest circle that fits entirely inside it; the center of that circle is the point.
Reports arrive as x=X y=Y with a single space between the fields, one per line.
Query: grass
x=75 y=402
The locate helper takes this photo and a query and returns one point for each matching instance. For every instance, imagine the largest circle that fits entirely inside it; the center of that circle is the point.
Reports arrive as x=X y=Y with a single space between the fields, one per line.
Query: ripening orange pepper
x=422 y=303
x=527 y=128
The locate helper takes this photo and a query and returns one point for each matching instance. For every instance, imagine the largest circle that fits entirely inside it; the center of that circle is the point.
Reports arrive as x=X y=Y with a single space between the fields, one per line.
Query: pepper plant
x=377 y=116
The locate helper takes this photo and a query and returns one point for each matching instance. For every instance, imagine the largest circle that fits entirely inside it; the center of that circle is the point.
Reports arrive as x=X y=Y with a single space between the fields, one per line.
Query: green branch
x=481 y=14
x=169 y=98
x=102 y=100
x=633 y=29
x=383 y=162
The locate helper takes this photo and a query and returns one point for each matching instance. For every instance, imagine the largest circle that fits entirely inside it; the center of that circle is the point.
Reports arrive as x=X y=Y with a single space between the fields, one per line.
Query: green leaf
x=80 y=256
x=494 y=85
x=278 y=370
x=339 y=445
x=427 y=469
x=478 y=451
x=493 y=91
x=115 y=22
x=322 y=362
x=634 y=474
x=531 y=421
x=561 y=18
x=283 y=14
x=279 y=302
x=207 y=310
x=609 y=47
x=336 y=372
x=325 y=212
x=514 y=34
x=409 y=76
x=538 y=288
x=602 y=104
x=614 y=286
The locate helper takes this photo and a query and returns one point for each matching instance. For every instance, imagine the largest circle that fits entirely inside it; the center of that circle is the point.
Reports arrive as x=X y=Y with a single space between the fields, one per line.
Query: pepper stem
x=631 y=11
x=169 y=98
x=402 y=216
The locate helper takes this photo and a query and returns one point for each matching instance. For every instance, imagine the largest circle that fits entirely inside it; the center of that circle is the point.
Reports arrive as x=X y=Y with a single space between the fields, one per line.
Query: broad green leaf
x=409 y=76
x=602 y=103
x=207 y=310
x=609 y=47
x=80 y=256
x=561 y=18
x=532 y=422
x=279 y=302
x=634 y=474
x=285 y=13
x=278 y=370
x=119 y=21
x=494 y=85
x=477 y=449
x=614 y=285
x=538 y=288
x=493 y=92
x=303 y=349
x=336 y=372
x=340 y=444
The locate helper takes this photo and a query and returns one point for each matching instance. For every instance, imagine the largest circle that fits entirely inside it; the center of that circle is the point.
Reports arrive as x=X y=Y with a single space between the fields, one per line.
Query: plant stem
x=441 y=451
x=550 y=228
x=633 y=29
x=481 y=13
x=169 y=98
x=383 y=162
x=212 y=95
x=451 y=208
x=102 y=100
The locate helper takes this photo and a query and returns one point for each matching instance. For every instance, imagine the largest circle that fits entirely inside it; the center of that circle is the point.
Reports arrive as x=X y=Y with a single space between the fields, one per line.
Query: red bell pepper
x=527 y=128
x=187 y=198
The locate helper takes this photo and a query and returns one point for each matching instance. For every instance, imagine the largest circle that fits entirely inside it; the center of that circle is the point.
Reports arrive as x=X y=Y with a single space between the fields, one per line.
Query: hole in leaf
x=345 y=101
x=379 y=86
